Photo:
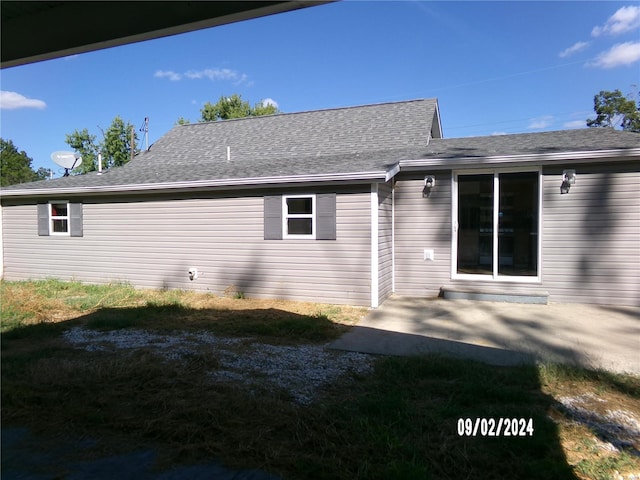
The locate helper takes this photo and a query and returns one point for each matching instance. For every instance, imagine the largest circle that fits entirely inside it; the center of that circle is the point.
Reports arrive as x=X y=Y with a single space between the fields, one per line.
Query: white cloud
x=624 y=20
x=576 y=47
x=494 y=134
x=212 y=74
x=13 y=101
x=618 y=55
x=540 y=122
x=269 y=101
x=170 y=74
x=575 y=124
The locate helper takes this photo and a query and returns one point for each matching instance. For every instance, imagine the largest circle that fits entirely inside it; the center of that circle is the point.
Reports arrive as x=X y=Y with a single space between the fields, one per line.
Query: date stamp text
x=495 y=427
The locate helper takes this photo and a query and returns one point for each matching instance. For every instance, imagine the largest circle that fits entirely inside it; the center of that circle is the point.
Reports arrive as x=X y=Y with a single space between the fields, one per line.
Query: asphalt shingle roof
x=351 y=141
x=582 y=140
x=324 y=142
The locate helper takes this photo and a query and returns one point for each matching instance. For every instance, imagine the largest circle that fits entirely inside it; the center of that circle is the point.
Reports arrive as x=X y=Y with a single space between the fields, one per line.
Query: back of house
x=345 y=205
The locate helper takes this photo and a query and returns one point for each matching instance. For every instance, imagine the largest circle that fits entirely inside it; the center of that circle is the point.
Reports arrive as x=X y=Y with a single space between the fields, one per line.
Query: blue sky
x=495 y=67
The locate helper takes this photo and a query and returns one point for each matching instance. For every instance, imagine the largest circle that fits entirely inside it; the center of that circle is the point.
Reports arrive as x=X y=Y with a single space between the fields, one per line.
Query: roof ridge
x=329 y=109
x=548 y=132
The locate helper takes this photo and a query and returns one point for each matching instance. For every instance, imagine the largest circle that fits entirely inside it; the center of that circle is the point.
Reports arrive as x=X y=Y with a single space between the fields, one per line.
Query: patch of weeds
x=152 y=315
x=600 y=381
x=274 y=326
x=234 y=292
x=602 y=468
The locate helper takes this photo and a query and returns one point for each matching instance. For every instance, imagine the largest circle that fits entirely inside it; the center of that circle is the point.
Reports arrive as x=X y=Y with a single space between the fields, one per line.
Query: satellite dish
x=67 y=160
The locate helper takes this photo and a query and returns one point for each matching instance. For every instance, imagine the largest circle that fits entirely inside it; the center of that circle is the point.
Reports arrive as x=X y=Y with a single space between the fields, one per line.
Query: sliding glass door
x=496 y=225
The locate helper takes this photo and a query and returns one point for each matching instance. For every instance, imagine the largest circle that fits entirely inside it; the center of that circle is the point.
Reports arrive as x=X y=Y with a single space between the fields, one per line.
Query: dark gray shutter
x=75 y=218
x=273 y=217
x=43 y=219
x=326 y=216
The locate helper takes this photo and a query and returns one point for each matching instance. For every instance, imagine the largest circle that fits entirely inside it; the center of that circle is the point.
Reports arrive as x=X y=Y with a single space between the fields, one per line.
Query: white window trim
x=66 y=217
x=286 y=216
x=494 y=277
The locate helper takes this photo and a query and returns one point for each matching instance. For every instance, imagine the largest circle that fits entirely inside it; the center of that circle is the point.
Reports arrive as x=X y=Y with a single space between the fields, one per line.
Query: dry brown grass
x=52 y=301
x=398 y=423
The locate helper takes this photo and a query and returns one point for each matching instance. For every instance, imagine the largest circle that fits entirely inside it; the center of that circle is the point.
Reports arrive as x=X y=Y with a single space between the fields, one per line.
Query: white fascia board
x=380 y=176
x=437 y=114
x=511 y=160
x=392 y=172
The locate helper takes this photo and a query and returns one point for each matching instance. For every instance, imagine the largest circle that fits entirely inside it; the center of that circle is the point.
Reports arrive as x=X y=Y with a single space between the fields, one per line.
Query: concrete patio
x=498 y=333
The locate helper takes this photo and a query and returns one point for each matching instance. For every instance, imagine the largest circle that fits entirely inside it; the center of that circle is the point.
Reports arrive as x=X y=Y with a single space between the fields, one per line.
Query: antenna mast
x=145 y=128
x=133 y=143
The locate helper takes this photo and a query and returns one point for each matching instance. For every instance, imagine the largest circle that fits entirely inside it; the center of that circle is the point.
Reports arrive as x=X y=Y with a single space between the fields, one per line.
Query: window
x=298 y=214
x=309 y=216
x=59 y=215
x=60 y=218
x=496 y=223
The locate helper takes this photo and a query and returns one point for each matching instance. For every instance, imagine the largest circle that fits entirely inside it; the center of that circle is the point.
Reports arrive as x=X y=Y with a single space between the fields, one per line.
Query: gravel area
x=300 y=370
x=619 y=429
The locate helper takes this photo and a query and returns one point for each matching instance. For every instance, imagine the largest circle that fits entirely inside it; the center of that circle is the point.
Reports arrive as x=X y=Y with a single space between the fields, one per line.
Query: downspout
x=393 y=235
x=374 y=247
x=1 y=245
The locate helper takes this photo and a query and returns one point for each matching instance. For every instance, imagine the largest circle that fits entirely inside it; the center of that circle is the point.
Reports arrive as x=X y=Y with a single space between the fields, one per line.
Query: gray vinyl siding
x=422 y=223
x=153 y=243
x=385 y=241
x=591 y=236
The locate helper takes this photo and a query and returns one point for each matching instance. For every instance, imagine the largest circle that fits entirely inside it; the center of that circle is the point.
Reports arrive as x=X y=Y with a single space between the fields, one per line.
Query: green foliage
x=15 y=166
x=115 y=147
x=234 y=107
x=614 y=110
x=82 y=142
x=182 y=121
x=264 y=108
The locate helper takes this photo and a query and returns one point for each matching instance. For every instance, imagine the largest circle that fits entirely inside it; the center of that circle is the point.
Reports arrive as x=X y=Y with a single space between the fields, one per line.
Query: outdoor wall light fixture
x=429 y=183
x=568 y=179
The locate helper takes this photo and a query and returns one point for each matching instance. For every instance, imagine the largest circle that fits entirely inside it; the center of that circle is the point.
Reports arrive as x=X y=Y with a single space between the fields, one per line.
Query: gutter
x=361 y=177
x=523 y=159
x=618 y=155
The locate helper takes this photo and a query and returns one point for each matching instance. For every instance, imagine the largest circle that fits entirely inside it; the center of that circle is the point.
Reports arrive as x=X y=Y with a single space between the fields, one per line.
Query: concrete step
x=506 y=294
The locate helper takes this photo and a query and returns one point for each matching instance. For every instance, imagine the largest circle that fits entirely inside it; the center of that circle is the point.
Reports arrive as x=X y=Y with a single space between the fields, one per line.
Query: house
x=345 y=205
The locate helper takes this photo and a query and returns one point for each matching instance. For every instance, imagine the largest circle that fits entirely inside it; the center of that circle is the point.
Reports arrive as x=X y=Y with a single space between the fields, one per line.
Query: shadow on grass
x=419 y=413
x=400 y=422
x=272 y=324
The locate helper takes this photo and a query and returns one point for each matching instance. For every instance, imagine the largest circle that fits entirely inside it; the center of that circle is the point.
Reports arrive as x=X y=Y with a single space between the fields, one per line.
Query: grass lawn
x=398 y=421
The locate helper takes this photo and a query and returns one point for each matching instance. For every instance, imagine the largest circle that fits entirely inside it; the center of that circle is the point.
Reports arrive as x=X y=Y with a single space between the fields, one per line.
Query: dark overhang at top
x=33 y=31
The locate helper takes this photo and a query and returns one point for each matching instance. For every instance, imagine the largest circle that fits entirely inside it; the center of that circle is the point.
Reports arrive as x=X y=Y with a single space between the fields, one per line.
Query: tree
x=614 y=110
x=234 y=107
x=15 y=166
x=182 y=121
x=264 y=108
x=115 y=147
x=83 y=143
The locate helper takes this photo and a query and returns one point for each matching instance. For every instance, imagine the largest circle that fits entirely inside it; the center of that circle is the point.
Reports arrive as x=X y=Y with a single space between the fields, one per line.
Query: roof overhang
x=36 y=30
x=223 y=184
x=378 y=176
x=620 y=155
